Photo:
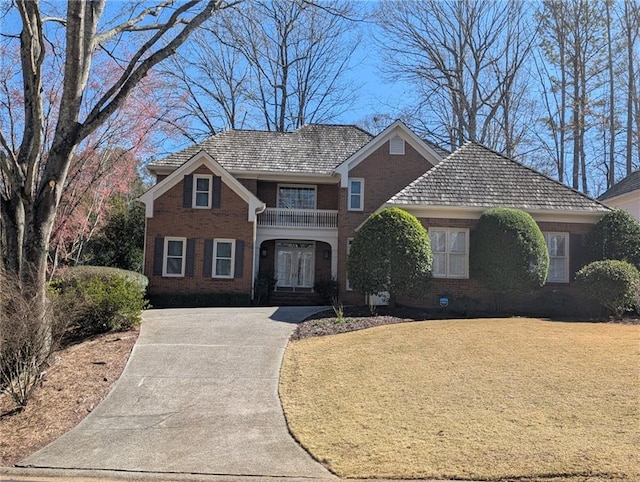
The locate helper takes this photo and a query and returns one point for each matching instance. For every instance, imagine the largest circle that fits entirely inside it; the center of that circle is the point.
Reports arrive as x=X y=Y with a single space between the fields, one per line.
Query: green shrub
x=265 y=283
x=101 y=299
x=327 y=290
x=615 y=236
x=508 y=251
x=613 y=283
x=390 y=252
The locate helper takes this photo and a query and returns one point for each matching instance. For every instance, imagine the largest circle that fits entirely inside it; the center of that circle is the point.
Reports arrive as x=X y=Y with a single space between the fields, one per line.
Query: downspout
x=254 y=271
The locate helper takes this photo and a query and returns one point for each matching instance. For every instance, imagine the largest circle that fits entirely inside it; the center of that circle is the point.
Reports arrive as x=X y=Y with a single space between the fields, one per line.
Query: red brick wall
x=469 y=294
x=171 y=219
x=384 y=175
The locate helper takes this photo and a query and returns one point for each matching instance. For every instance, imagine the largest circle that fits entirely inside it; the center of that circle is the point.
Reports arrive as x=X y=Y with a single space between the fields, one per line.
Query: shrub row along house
x=248 y=204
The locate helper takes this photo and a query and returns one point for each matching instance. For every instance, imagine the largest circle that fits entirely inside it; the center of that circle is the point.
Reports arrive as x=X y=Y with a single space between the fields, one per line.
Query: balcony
x=298 y=218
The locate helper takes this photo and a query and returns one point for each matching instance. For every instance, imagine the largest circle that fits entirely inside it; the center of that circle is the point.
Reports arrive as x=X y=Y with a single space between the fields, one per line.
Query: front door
x=295 y=264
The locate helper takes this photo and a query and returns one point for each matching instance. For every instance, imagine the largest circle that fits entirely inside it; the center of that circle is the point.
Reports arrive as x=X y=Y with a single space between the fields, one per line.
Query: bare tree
x=630 y=21
x=572 y=34
x=465 y=57
x=272 y=64
x=34 y=166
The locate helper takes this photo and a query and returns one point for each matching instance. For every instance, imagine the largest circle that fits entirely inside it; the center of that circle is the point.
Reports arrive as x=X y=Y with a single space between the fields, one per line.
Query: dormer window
x=396 y=145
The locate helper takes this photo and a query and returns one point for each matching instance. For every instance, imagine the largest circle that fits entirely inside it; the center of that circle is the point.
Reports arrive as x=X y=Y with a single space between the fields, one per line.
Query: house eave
x=474 y=212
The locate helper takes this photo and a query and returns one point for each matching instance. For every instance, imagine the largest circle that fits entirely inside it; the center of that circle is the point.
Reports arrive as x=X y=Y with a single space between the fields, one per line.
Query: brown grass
x=80 y=376
x=487 y=399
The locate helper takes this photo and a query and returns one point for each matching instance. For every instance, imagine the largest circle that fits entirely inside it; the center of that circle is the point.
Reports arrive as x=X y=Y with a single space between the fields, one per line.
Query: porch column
x=334 y=259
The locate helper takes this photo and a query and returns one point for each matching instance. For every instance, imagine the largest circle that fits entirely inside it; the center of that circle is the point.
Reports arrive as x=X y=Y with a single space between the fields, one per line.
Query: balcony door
x=295 y=264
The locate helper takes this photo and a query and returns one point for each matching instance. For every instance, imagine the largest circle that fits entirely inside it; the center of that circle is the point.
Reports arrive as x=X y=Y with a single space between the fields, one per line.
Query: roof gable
x=312 y=149
x=202 y=158
x=479 y=178
x=625 y=186
x=397 y=128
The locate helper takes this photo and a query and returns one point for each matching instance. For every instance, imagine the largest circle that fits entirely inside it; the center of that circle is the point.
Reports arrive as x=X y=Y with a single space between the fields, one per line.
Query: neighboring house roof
x=625 y=186
x=311 y=149
x=441 y=151
x=477 y=177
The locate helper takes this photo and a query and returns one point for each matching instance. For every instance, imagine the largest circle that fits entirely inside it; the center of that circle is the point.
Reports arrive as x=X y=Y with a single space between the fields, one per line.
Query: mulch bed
x=359 y=318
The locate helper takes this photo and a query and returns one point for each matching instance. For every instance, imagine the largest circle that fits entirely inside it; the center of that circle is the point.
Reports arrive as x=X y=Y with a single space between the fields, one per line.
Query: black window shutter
x=187 y=192
x=208 y=258
x=158 y=255
x=217 y=191
x=576 y=254
x=239 y=259
x=191 y=254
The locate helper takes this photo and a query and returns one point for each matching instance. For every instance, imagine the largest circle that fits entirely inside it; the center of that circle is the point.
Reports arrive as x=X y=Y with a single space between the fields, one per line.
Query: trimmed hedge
x=199 y=300
x=100 y=299
x=615 y=236
x=508 y=251
x=613 y=283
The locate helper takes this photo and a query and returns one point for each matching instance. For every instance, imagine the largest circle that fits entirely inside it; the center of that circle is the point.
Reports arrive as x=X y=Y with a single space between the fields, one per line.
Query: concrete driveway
x=198 y=396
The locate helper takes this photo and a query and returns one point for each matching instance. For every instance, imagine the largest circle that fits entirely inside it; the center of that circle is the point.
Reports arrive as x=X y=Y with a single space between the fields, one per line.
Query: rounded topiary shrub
x=612 y=283
x=615 y=236
x=100 y=299
x=508 y=251
x=390 y=252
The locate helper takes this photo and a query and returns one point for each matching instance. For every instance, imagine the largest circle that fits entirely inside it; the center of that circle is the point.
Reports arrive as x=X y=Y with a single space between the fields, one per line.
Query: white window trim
x=348 y=286
x=547 y=235
x=302 y=186
x=349 y=207
x=165 y=256
x=398 y=152
x=447 y=253
x=195 y=191
x=216 y=241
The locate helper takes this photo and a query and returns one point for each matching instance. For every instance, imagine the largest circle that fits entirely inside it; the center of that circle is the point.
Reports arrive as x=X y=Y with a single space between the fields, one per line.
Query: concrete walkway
x=198 y=396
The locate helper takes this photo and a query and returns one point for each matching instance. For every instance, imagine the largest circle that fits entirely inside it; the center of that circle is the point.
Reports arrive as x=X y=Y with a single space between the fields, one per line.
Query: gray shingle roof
x=474 y=176
x=311 y=149
x=628 y=184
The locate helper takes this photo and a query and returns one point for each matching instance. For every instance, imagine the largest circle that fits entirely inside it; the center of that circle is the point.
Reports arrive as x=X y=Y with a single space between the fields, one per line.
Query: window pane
x=223 y=250
x=202 y=184
x=355 y=201
x=174 y=265
x=297 y=198
x=439 y=264
x=457 y=242
x=557 y=270
x=202 y=199
x=223 y=267
x=355 y=187
x=174 y=248
x=557 y=245
x=457 y=265
x=438 y=241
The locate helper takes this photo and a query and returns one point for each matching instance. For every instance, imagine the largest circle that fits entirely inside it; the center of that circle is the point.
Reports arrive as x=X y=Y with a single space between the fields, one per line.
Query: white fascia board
x=470 y=212
x=202 y=158
x=397 y=128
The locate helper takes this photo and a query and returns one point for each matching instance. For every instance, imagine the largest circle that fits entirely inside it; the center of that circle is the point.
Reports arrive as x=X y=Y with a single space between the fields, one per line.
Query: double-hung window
x=558 y=246
x=356 y=194
x=450 y=247
x=202 y=191
x=174 y=257
x=223 y=258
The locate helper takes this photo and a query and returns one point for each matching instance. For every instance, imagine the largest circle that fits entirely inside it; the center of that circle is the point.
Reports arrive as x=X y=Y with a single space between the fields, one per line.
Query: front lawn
x=465 y=399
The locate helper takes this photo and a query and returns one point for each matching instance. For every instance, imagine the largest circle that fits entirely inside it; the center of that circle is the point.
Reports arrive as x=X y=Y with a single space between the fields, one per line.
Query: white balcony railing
x=298 y=218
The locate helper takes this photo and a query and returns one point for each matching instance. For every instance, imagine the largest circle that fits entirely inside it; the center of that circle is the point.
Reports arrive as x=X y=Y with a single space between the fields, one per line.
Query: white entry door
x=295 y=264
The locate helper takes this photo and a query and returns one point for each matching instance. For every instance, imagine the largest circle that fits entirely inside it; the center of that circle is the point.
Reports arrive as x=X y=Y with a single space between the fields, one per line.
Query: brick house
x=625 y=195
x=243 y=203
